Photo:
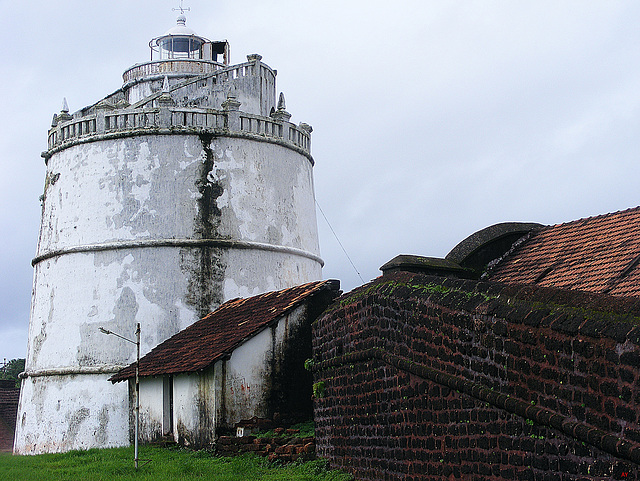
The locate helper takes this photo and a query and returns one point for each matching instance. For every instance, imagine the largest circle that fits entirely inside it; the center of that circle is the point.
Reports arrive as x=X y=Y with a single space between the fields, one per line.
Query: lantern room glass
x=179 y=47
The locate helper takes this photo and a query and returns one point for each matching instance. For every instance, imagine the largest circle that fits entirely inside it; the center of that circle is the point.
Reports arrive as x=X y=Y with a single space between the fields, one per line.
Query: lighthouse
x=186 y=187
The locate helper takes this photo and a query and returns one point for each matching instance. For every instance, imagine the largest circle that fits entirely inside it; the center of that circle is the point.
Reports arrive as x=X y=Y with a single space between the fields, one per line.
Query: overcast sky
x=432 y=119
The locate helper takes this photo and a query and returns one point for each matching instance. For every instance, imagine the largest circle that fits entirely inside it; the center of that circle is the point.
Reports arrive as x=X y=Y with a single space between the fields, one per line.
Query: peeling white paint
x=115 y=211
x=185 y=314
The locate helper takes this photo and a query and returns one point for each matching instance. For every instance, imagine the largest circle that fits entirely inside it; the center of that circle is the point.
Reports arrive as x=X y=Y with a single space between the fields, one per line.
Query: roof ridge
x=238 y=301
x=592 y=217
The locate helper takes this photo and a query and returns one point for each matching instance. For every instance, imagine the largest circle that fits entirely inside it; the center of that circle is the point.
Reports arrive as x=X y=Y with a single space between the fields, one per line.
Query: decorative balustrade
x=148 y=119
x=271 y=128
x=130 y=120
x=196 y=67
x=198 y=119
x=260 y=126
x=164 y=67
x=78 y=128
x=299 y=138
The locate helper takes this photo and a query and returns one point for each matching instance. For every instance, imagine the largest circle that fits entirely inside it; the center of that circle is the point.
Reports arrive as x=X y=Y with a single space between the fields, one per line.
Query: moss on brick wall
x=432 y=378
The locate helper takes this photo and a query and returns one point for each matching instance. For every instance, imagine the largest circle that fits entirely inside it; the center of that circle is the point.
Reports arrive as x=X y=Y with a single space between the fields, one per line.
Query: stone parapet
x=199 y=68
x=168 y=67
x=158 y=112
x=174 y=120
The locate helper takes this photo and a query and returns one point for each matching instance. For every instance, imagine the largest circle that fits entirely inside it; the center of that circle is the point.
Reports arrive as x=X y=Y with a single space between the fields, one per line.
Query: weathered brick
x=627 y=414
x=631 y=359
x=578 y=378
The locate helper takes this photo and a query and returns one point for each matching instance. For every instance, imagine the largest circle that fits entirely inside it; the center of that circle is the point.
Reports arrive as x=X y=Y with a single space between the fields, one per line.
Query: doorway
x=167 y=405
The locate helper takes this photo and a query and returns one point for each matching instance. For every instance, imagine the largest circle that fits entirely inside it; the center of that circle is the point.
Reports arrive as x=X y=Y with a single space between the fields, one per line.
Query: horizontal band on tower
x=193 y=243
x=71 y=370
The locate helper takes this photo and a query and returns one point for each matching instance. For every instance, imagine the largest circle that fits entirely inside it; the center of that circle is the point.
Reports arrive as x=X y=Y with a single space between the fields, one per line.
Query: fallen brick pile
x=276 y=448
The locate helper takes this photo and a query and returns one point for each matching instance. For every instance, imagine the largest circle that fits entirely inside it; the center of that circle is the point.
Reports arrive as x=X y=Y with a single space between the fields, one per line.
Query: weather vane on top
x=181 y=8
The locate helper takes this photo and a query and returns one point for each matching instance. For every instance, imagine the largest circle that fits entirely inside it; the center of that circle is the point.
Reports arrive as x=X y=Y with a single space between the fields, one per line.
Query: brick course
x=8 y=411
x=431 y=378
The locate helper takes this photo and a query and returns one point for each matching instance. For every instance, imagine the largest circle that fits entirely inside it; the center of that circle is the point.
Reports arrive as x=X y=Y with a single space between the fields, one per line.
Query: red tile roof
x=597 y=254
x=219 y=333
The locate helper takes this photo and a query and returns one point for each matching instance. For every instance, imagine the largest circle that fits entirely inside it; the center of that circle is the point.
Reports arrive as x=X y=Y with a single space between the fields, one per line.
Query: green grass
x=165 y=464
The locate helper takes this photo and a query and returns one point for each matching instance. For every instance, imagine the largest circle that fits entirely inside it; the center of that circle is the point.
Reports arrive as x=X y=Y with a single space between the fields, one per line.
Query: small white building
x=244 y=360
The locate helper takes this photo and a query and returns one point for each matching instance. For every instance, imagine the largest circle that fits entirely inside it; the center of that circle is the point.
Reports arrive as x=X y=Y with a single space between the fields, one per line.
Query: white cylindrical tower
x=185 y=188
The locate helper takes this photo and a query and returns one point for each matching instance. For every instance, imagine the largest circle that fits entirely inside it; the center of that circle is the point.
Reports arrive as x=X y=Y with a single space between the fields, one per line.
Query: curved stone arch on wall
x=480 y=248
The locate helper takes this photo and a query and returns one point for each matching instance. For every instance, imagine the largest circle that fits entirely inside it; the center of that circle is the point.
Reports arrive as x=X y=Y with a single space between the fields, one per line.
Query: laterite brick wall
x=426 y=378
x=9 y=397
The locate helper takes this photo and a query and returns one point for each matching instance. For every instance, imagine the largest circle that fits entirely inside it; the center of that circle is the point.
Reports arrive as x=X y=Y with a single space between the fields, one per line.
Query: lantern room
x=181 y=43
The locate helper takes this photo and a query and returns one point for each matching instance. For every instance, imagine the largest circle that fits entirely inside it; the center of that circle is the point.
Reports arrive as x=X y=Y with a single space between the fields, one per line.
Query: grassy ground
x=165 y=464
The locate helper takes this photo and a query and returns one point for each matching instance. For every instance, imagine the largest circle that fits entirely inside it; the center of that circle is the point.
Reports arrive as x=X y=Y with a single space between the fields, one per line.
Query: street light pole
x=137 y=411
x=137 y=394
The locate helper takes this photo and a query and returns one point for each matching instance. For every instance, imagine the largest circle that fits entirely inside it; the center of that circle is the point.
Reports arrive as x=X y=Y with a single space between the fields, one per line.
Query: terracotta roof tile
x=219 y=333
x=596 y=254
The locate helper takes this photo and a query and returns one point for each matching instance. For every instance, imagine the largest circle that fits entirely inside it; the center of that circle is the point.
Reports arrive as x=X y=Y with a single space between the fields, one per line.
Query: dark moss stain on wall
x=208 y=211
x=290 y=389
x=204 y=263
x=291 y=392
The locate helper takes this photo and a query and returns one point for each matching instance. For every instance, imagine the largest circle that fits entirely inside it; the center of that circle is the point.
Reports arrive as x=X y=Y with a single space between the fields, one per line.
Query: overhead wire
x=340 y=243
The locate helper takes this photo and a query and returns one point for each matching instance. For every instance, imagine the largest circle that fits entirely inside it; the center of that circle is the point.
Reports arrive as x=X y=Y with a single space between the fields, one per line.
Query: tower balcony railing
x=174 y=120
x=171 y=66
x=159 y=68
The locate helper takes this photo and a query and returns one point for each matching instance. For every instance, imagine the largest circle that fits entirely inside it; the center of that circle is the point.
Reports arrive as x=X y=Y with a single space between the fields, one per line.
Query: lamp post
x=137 y=343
